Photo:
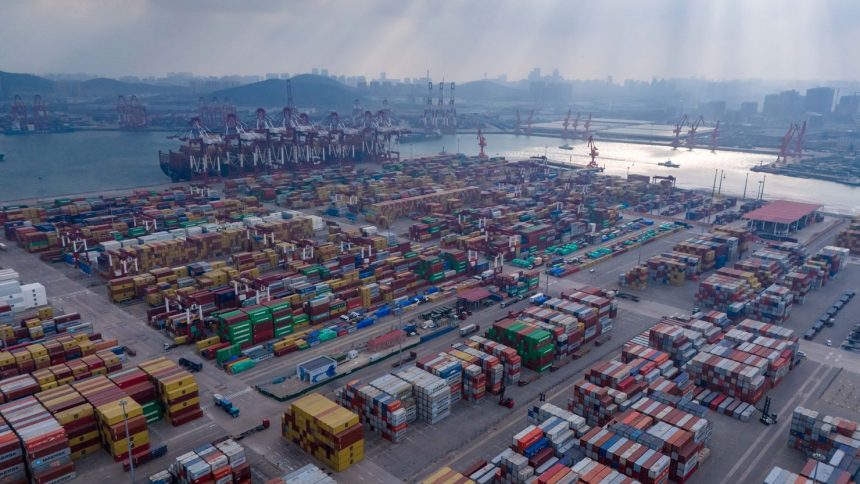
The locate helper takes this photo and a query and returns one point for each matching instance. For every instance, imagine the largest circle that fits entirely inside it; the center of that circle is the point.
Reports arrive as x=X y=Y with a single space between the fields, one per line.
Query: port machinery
x=290 y=141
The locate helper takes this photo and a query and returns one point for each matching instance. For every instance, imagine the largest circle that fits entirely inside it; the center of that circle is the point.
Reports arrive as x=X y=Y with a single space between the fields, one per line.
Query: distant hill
x=24 y=84
x=489 y=91
x=308 y=90
x=28 y=85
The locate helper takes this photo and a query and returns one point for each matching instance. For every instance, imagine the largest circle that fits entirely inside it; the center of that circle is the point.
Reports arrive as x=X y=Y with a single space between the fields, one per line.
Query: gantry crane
x=519 y=126
x=529 y=128
x=782 y=156
x=587 y=126
x=676 y=142
x=576 y=123
x=798 y=147
x=482 y=142
x=592 y=152
x=691 y=134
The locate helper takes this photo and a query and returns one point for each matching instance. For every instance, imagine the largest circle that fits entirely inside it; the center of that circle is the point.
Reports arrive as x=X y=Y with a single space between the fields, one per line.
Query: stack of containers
x=635 y=278
x=759 y=328
x=76 y=416
x=445 y=475
x=282 y=317
x=136 y=384
x=724 y=292
x=592 y=402
x=617 y=376
x=262 y=325
x=733 y=378
x=672 y=340
x=511 y=361
x=176 y=388
x=239 y=465
x=309 y=474
x=773 y=305
x=667 y=270
x=325 y=430
x=489 y=364
x=799 y=283
x=544 y=411
x=448 y=368
x=432 y=394
x=11 y=460
x=105 y=397
x=44 y=442
x=474 y=383
x=633 y=459
x=400 y=390
x=534 y=345
x=812 y=432
x=379 y=410
x=235 y=327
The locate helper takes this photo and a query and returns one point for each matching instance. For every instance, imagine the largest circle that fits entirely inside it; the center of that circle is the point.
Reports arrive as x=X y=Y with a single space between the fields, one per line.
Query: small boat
x=566 y=146
x=669 y=164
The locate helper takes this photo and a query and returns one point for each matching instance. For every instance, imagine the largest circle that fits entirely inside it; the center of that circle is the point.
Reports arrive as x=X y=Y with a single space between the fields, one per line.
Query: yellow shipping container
x=111 y=413
x=181 y=391
x=74 y=413
x=80 y=439
x=184 y=404
x=205 y=343
x=121 y=446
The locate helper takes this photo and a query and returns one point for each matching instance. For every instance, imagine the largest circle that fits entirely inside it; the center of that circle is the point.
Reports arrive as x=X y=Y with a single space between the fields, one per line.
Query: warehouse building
x=781 y=217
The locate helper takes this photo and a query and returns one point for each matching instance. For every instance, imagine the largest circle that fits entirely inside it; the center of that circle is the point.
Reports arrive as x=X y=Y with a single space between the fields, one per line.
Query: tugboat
x=669 y=164
x=566 y=146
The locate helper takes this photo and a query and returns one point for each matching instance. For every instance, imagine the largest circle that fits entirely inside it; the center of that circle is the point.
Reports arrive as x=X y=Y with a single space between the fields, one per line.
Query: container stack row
x=381 y=412
x=327 y=431
x=432 y=394
x=511 y=361
x=176 y=388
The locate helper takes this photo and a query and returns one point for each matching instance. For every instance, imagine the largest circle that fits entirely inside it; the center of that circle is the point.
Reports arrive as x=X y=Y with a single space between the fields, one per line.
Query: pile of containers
x=324 y=429
x=106 y=398
x=432 y=394
x=381 y=412
x=490 y=365
x=221 y=461
x=646 y=465
x=535 y=346
x=667 y=270
x=400 y=390
x=635 y=278
x=773 y=305
x=176 y=388
x=674 y=341
x=44 y=443
x=594 y=402
x=309 y=474
x=77 y=417
x=511 y=361
x=446 y=367
x=814 y=433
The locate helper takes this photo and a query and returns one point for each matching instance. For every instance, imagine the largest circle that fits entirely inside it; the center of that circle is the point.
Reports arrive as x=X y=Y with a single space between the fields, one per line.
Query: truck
x=538 y=299
x=469 y=329
x=227 y=405
x=191 y=365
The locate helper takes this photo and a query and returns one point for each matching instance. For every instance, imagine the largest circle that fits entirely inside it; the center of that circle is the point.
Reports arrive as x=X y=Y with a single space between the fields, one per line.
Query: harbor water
x=50 y=165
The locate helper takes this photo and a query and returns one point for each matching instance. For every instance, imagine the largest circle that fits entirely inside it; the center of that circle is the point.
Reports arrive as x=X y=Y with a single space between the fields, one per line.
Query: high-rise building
x=819 y=100
x=848 y=105
x=749 y=108
x=534 y=75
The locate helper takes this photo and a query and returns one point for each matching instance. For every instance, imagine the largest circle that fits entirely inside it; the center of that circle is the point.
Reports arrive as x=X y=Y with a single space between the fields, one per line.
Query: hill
x=28 y=85
x=489 y=91
x=308 y=90
x=12 y=83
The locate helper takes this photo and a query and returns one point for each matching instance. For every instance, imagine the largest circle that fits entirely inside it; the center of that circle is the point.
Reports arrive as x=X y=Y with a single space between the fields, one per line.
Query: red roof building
x=782 y=217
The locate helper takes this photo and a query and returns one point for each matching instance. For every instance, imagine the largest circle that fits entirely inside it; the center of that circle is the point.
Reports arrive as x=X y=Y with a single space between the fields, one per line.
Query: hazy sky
x=457 y=39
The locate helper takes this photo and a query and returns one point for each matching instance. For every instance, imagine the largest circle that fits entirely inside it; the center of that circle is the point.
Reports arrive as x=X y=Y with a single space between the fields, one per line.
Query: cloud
x=460 y=39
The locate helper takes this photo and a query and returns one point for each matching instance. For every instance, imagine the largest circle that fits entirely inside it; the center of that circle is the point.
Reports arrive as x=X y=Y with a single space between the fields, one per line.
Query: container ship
x=291 y=141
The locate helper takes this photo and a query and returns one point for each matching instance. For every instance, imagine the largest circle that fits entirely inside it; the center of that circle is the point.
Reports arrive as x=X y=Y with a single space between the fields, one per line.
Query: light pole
x=123 y=403
x=747 y=179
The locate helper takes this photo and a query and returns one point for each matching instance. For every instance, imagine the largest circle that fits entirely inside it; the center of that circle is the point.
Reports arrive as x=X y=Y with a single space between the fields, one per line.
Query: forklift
x=505 y=402
x=767 y=418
